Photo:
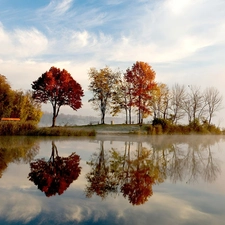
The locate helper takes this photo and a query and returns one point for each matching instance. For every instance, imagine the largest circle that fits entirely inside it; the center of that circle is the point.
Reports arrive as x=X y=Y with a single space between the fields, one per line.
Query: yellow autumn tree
x=103 y=83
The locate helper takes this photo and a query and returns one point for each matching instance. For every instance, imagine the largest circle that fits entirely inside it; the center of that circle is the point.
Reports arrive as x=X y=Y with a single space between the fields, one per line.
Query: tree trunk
x=53 y=121
x=129 y=115
x=55 y=114
x=126 y=116
x=103 y=118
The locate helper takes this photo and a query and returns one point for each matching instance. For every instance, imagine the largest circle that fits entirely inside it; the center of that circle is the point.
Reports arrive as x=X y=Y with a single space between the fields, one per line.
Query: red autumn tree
x=142 y=79
x=59 y=88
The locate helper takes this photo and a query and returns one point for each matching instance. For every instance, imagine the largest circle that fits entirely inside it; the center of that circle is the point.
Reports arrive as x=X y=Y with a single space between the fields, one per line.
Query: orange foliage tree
x=142 y=79
x=59 y=88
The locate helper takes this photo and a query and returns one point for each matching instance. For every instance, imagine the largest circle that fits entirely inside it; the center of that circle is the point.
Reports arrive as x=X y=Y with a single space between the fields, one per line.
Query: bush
x=16 y=128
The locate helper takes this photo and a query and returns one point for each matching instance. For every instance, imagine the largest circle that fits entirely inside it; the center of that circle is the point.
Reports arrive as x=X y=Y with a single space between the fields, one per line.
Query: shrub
x=16 y=128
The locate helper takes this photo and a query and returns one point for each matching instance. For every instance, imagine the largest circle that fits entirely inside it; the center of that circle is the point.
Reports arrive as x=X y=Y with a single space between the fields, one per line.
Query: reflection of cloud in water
x=23 y=207
x=19 y=206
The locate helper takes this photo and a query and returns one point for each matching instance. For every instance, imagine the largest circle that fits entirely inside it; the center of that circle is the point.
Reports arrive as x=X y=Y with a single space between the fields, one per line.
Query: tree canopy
x=102 y=84
x=59 y=88
x=17 y=103
x=142 y=79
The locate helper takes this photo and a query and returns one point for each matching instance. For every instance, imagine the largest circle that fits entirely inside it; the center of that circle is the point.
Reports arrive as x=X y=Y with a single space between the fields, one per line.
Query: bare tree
x=177 y=101
x=194 y=104
x=213 y=101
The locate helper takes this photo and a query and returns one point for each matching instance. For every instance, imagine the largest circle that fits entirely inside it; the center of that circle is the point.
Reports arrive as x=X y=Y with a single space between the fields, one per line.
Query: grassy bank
x=29 y=128
x=157 y=129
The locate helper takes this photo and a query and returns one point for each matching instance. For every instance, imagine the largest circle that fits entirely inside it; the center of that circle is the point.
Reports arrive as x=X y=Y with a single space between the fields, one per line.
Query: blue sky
x=183 y=40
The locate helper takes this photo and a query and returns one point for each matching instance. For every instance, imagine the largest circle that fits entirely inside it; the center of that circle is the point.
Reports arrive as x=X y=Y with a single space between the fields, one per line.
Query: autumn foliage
x=102 y=84
x=59 y=88
x=141 y=78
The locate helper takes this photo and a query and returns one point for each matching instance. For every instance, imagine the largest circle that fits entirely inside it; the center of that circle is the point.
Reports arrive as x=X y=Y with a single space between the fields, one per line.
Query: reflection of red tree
x=56 y=175
x=139 y=187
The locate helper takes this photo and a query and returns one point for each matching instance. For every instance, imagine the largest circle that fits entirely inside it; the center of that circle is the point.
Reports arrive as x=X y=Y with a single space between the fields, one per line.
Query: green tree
x=25 y=108
x=103 y=85
x=17 y=103
x=59 y=88
x=6 y=96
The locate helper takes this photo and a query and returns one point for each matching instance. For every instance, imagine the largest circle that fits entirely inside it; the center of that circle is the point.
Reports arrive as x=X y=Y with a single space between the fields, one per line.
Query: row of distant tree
x=133 y=92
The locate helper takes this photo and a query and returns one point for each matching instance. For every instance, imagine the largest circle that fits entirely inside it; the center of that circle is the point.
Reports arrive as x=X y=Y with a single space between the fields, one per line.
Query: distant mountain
x=72 y=120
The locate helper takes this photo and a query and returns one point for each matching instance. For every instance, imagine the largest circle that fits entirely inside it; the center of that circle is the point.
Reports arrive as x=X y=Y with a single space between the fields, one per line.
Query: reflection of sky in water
x=181 y=203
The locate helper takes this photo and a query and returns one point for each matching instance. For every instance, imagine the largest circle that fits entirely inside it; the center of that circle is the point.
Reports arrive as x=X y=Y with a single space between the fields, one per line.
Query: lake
x=113 y=179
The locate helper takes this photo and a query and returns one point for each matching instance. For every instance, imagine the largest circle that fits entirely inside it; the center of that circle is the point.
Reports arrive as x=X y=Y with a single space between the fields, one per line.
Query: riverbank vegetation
x=31 y=129
x=158 y=127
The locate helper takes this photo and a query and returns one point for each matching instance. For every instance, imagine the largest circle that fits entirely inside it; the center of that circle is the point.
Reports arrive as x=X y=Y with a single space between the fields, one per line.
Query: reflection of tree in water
x=137 y=183
x=55 y=175
x=134 y=175
x=16 y=150
x=133 y=171
x=101 y=180
x=192 y=162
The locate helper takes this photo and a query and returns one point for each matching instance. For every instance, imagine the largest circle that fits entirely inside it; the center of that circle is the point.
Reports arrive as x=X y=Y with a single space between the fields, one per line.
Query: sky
x=183 y=41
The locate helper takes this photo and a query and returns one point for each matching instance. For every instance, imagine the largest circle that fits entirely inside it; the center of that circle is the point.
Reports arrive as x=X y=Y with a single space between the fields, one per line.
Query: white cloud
x=58 y=7
x=21 y=43
x=28 y=43
x=177 y=6
x=63 y=6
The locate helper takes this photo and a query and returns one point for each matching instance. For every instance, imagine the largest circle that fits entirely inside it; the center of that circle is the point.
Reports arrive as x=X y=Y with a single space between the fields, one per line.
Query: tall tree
x=194 y=104
x=59 y=88
x=213 y=101
x=103 y=84
x=142 y=78
x=176 y=104
x=121 y=100
x=160 y=101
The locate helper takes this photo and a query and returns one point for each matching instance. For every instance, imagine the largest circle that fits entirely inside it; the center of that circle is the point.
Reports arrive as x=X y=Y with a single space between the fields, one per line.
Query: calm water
x=113 y=180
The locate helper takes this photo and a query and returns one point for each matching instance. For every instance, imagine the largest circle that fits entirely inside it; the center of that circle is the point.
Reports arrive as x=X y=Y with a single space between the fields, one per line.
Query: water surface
x=112 y=180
